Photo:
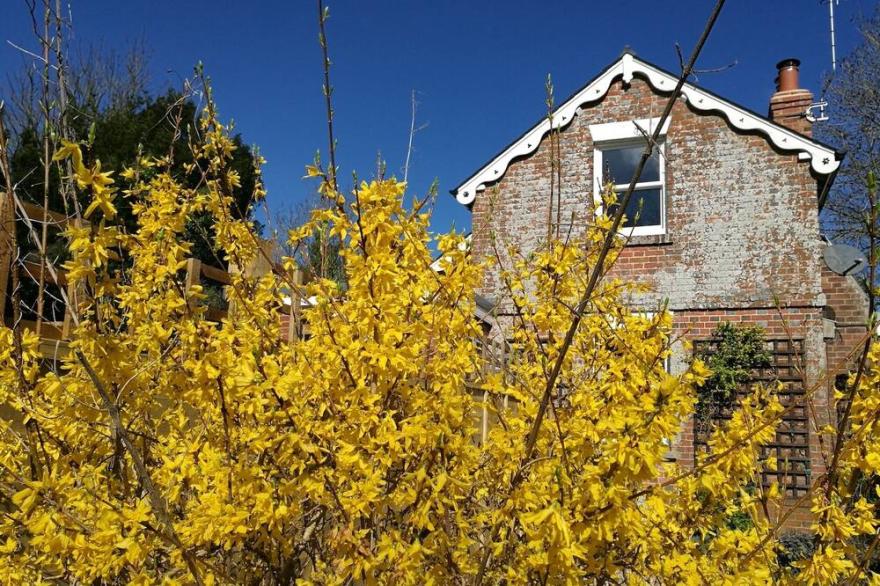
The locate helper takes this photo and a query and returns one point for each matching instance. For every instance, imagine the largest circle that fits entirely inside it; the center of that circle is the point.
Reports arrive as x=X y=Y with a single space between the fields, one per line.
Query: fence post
x=193 y=277
x=484 y=428
x=294 y=326
x=7 y=243
x=74 y=295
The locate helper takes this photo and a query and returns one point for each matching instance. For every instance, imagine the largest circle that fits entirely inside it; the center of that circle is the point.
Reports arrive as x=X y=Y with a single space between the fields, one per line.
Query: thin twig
x=157 y=502
x=323 y=15
x=412 y=133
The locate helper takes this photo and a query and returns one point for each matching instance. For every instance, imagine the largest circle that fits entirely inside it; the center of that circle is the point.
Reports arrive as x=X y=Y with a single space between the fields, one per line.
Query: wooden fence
x=35 y=268
x=53 y=332
x=495 y=357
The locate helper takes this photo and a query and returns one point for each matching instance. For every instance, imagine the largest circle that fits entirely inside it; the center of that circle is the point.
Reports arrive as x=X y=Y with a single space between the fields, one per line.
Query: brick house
x=728 y=228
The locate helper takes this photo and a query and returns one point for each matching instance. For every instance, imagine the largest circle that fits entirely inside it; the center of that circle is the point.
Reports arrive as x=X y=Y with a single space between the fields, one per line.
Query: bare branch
x=412 y=133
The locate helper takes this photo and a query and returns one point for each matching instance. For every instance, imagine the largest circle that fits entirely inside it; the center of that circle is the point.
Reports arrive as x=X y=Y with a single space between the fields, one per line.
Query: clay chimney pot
x=787 y=79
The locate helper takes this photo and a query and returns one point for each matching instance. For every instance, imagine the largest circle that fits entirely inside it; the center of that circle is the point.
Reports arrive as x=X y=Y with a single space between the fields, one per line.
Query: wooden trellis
x=54 y=333
x=792 y=445
x=496 y=356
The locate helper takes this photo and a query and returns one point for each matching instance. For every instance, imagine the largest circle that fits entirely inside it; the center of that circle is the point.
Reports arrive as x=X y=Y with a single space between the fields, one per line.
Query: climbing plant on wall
x=736 y=352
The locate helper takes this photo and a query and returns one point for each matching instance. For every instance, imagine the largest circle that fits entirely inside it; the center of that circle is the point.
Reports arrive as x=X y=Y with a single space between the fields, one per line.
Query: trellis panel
x=792 y=444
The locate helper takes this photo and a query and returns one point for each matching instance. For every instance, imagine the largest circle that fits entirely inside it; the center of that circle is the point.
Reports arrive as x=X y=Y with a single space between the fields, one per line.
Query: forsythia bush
x=171 y=449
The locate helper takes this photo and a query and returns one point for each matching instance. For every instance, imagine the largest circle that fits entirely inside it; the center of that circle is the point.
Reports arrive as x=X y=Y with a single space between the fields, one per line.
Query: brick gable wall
x=742 y=242
x=741 y=219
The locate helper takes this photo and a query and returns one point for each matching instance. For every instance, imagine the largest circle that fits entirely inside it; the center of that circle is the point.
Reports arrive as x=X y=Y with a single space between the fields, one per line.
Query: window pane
x=620 y=164
x=644 y=203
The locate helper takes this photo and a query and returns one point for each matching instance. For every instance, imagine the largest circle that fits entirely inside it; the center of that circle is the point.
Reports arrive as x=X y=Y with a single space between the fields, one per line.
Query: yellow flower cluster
x=172 y=449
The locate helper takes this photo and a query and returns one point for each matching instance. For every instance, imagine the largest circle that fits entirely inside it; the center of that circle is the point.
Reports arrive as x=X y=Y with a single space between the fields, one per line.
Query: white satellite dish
x=844 y=259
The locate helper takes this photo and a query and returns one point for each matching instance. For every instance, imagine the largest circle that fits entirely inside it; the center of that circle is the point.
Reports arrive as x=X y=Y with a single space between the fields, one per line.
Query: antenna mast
x=816 y=112
x=831 y=4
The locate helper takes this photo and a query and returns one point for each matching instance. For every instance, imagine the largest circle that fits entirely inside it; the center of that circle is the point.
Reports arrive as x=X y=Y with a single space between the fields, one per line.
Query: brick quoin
x=742 y=242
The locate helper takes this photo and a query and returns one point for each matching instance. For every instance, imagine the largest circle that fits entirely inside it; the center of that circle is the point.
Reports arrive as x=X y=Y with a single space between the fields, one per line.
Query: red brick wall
x=847 y=307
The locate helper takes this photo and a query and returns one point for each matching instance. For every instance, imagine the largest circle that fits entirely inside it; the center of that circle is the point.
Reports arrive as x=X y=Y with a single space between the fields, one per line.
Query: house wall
x=742 y=227
x=847 y=309
x=742 y=241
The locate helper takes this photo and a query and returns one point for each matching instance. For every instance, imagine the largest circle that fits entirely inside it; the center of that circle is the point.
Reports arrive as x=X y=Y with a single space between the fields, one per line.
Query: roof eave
x=628 y=66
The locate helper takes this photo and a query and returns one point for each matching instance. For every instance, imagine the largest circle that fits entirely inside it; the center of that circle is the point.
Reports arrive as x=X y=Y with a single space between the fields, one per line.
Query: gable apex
x=824 y=160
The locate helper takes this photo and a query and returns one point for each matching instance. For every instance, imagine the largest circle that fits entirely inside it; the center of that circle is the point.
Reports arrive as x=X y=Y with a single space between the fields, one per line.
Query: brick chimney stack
x=789 y=104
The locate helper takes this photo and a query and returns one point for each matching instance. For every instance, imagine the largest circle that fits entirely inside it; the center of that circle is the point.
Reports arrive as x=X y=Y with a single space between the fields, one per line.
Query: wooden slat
x=7 y=237
x=48 y=330
x=193 y=271
x=36 y=213
x=215 y=314
x=54 y=349
x=31 y=270
x=216 y=274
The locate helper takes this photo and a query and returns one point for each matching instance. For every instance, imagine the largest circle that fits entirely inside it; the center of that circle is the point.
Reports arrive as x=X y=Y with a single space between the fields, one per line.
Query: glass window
x=645 y=213
x=621 y=163
x=643 y=208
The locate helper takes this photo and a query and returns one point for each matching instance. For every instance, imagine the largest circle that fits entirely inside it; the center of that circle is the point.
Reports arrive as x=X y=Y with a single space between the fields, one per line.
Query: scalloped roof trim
x=824 y=160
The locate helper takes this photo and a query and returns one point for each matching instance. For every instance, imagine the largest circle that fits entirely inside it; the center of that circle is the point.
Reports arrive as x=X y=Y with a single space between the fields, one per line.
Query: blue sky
x=478 y=67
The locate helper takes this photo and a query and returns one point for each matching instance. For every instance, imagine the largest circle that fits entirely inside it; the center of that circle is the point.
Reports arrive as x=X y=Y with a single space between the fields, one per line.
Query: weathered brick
x=742 y=241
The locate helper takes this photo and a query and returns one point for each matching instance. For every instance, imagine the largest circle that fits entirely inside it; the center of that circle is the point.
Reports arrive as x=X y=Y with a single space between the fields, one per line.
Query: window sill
x=648 y=240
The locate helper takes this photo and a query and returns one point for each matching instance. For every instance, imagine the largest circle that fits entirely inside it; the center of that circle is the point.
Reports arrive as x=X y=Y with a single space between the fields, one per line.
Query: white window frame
x=622 y=134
